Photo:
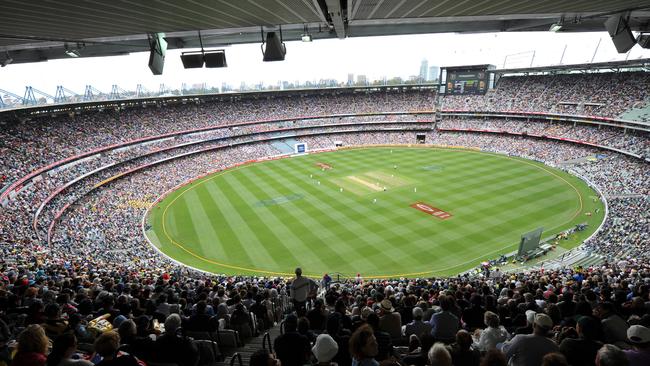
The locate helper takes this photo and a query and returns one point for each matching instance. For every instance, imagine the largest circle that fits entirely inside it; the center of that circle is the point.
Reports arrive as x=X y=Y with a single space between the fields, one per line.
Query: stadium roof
x=37 y=30
x=641 y=64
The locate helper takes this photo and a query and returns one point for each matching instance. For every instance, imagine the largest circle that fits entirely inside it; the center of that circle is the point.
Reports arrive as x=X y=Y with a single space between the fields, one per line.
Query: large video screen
x=530 y=241
x=466 y=81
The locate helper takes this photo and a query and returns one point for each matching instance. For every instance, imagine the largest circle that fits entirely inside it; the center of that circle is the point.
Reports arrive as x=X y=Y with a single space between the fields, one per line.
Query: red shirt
x=29 y=359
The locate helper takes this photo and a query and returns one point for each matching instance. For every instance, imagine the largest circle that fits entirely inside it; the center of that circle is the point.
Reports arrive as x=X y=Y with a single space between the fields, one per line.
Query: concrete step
x=253 y=344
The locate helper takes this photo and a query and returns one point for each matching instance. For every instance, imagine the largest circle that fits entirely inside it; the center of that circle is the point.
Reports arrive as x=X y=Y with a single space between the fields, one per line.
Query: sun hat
x=325 y=348
x=638 y=334
x=530 y=316
x=386 y=305
x=544 y=321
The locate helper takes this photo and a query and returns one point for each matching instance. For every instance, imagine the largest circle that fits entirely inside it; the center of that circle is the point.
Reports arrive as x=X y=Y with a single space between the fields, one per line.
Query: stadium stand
x=75 y=260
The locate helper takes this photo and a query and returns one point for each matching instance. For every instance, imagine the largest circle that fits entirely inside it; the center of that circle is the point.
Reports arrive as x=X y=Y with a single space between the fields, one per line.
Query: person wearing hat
x=529 y=349
x=639 y=337
x=390 y=321
x=582 y=351
x=417 y=326
x=325 y=349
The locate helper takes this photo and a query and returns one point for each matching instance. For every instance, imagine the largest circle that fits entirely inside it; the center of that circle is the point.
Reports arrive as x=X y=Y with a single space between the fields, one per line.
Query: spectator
x=173 y=346
x=462 y=351
x=528 y=350
x=263 y=357
x=444 y=324
x=530 y=319
x=200 y=321
x=417 y=326
x=291 y=348
x=342 y=339
x=32 y=347
x=384 y=341
x=639 y=337
x=139 y=346
x=108 y=354
x=300 y=290
x=363 y=347
x=582 y=351
x=317 y=316
x=325 y=349
x=439 y=355
x=610 y=355
x=554 y=359
x=63 y=350
x=390 y=321
x=494 y=334
x=494 y=357
x=614 y=326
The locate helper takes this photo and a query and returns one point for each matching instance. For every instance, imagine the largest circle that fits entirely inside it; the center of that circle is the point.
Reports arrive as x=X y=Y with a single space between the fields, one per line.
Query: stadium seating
x=71 y=238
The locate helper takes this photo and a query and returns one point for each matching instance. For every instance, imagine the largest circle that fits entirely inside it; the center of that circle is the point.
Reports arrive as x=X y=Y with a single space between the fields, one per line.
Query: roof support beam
x=335 y=12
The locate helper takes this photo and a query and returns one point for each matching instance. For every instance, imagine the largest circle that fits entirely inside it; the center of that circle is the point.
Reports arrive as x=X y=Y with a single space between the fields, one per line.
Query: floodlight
x=275 y=49
x=215 y=58
x=192 y=60
x=643 y=40
x=306 y=36
x=619 y=29
x=72 y=53
x=158 y=49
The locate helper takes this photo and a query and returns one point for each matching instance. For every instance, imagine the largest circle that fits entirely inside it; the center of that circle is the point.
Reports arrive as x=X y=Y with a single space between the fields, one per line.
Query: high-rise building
x=350 y=79
x=424 y=68
x=362 y=80
x=434 y=72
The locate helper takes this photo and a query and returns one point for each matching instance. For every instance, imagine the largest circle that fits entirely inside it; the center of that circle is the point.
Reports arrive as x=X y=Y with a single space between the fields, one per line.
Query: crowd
x=98 y=262
x=603 y=94
x=637 y=142
x=31 y=144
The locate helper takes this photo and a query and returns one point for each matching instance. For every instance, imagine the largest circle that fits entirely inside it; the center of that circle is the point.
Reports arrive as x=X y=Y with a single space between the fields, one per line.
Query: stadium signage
x=436 y=212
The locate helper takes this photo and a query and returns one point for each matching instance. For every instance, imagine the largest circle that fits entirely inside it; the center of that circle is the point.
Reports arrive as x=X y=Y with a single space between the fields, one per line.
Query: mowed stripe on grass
x=493 y=200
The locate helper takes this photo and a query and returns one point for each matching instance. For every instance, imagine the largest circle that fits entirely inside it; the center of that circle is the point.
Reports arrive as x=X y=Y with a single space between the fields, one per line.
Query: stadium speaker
x=158 y=46
x=620 y=31
x=275 y=49
x=192 y=60
x=644 y=40
x=215 y=59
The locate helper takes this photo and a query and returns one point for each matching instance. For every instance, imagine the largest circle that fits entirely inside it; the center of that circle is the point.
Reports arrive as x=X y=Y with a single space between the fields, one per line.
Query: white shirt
x=490 y=337
x=300 y=289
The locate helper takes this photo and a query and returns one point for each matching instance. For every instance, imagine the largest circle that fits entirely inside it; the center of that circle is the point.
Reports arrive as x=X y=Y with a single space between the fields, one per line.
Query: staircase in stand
x=253 y=344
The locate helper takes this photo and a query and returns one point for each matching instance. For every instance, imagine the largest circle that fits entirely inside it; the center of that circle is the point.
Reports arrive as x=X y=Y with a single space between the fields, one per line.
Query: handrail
x=267 y=338
x=238 y=356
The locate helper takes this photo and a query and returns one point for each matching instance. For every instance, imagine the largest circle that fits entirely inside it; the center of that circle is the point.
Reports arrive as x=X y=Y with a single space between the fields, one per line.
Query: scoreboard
x=464 y=80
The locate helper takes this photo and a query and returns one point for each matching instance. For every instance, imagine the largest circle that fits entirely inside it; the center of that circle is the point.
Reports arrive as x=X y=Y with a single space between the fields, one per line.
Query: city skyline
x=376 y=58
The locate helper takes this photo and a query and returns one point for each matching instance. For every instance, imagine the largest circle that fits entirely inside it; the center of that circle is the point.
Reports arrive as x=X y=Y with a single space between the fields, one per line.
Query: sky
x=374 y=57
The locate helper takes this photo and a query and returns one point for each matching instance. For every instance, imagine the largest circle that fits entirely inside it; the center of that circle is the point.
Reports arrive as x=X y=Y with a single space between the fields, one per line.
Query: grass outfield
x=268 y=218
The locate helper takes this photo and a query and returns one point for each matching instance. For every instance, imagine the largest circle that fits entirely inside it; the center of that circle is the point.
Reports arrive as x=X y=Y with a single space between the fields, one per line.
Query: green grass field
x=268 y=218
